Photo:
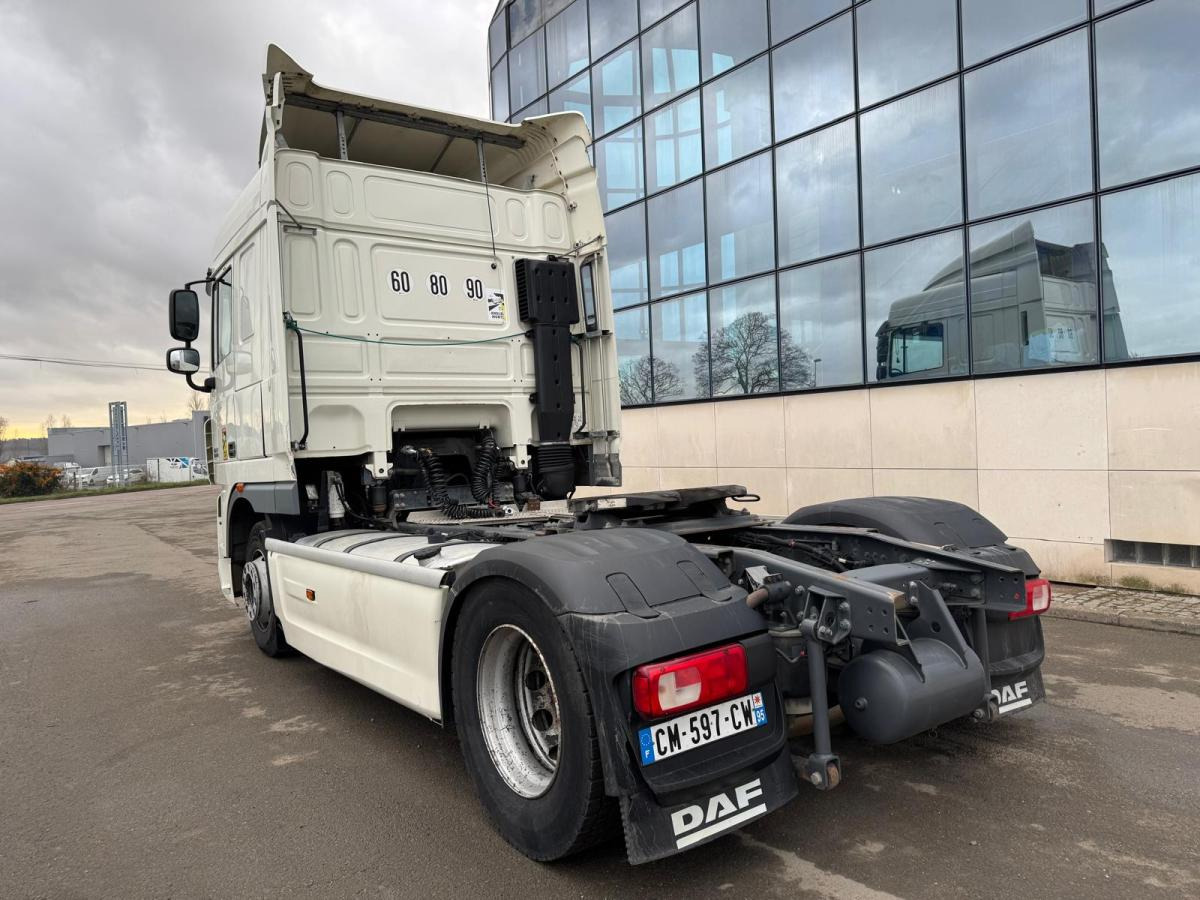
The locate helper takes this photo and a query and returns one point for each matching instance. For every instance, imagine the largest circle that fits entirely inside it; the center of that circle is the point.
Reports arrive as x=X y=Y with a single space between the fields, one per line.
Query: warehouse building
x=792 y=189
x=93 y=446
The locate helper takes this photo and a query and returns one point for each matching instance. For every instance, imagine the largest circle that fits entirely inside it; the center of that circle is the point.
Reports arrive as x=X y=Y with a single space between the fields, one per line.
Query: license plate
x=700 y=727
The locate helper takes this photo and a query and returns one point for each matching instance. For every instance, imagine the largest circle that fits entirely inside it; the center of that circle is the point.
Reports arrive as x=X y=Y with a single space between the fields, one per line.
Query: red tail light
x=1037 y=598
x=687 y=682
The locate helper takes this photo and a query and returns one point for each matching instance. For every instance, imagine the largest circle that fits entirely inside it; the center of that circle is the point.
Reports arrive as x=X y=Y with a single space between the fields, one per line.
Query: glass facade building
x=811 y=194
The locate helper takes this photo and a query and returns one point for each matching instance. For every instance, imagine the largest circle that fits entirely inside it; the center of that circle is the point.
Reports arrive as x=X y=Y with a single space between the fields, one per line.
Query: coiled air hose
x=435 y=481
x=484 y=476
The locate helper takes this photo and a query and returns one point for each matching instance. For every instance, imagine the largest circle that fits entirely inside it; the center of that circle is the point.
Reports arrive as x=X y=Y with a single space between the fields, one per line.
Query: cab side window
x=224 y=341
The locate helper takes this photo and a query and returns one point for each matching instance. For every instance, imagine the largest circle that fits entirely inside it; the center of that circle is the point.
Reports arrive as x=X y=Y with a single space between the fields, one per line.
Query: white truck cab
x=379 y=240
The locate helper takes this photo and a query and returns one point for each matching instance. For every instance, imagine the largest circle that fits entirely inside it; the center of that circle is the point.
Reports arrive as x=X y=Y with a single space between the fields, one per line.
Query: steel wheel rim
x=518 y=711
x=251 y=589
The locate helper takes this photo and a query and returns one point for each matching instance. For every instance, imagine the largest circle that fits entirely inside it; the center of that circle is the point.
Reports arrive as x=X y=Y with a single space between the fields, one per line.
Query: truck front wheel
x=256 y=593
x=525 y=725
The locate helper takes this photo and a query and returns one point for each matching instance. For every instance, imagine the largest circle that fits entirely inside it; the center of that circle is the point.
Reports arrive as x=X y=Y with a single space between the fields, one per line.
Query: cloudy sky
x=131 y=125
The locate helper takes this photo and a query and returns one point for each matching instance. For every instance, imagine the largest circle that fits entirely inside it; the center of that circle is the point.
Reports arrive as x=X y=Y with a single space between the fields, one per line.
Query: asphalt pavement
x=147 y=749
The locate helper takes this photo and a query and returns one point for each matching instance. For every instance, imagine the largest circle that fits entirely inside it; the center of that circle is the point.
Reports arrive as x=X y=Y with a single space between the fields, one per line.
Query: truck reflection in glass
x=1033 y=304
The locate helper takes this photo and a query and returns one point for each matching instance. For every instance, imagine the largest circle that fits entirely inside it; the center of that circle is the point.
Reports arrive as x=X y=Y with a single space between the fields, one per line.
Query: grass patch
x=94 y=492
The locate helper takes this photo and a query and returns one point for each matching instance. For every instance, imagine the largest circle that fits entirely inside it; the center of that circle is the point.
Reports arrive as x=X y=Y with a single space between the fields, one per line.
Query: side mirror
x=185 y=316
x=183 y=360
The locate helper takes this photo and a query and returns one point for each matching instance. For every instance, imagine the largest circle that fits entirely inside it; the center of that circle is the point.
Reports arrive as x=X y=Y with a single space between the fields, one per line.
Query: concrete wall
x=1061 y=462
x=90 y=446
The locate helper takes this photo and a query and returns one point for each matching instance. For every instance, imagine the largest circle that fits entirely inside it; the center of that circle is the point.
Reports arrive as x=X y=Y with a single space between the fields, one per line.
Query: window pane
x=1103 y=6
x=916 y=309
x=741 y=221
x=1148 y=90
x=619 y=167
x=653 y=10
x=537 y=108
x=626 y=232
x=497 y=38
x=612 y=22
x=745 y=342
x=575 y=96
x=567 y=43
x=814 y=78
x=551 y=8
x=790 y=17
x=680 y=329
x=500 y=92
x=670 y=60
x=673 y=143
x=524 y=16
x=817 y=190
x=990 y=27
x=902 y=44
x=1152 y=277
x=737 y=113
x=617 y=89
x=731 y=31
x=632 y=327
x=911 y=174
x=1029 y=128
x=1033 y=291
x=821 y=312
x=676 y=221
x=527 y=71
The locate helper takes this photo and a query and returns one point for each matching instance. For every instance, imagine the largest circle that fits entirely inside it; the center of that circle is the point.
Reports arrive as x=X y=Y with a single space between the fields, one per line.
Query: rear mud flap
x=653 y=831
x=1017 y=692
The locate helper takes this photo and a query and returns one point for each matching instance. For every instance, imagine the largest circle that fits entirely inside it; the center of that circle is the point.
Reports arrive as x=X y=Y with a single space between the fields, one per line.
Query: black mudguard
x=631 y=596
x=923 y=520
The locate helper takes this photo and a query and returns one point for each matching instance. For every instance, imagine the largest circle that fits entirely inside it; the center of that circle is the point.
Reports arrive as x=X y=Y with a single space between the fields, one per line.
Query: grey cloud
x=131 y=128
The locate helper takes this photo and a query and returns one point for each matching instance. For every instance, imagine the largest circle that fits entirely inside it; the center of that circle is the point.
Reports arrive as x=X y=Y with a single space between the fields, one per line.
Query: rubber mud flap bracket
x=653 y=831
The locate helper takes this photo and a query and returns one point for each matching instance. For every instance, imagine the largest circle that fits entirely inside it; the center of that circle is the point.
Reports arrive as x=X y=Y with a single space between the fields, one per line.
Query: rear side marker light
x=688 y=682
x=1037 y=599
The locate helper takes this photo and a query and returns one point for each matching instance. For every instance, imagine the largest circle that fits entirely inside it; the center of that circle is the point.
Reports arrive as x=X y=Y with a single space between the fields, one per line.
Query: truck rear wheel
x=264 y=624
x=525 y=725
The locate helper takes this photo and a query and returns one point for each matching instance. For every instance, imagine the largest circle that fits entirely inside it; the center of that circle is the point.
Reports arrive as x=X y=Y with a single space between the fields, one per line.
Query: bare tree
x=196 y=402
x=643 y=380
x=748 y=355
x=3 y=435
x=65 y=421
x=50 y=422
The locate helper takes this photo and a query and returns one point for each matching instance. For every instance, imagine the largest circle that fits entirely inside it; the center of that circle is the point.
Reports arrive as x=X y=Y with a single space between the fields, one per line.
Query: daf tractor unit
x=413 y=388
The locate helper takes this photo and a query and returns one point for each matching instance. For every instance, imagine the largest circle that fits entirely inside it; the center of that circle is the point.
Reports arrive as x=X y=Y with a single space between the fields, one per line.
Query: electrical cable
x=391 y=343
x=84 y=363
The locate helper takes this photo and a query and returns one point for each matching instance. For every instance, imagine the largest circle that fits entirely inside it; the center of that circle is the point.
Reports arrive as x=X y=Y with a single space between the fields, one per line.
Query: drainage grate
x=1149 y=553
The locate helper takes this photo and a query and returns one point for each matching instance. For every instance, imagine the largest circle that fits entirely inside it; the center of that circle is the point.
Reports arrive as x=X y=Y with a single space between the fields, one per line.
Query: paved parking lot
x=149 y=750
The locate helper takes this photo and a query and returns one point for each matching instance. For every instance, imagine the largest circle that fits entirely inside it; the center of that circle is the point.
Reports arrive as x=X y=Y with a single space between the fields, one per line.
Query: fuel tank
x=886 y=698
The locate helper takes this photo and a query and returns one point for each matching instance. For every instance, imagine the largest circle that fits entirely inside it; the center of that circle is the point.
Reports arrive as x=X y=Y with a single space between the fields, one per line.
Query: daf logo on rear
x=700 y=821
x=1012 y=696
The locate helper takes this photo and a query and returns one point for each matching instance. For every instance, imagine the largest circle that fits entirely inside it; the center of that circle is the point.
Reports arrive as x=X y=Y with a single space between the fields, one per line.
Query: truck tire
x=264 y=624
x=525 y=725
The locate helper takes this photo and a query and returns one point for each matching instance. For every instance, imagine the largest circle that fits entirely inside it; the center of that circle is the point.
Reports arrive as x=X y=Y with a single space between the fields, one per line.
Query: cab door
x=246 y=363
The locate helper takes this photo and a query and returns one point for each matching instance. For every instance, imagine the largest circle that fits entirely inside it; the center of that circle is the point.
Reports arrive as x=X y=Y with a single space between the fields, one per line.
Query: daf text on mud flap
x=1013 y=696
x=695 y=823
